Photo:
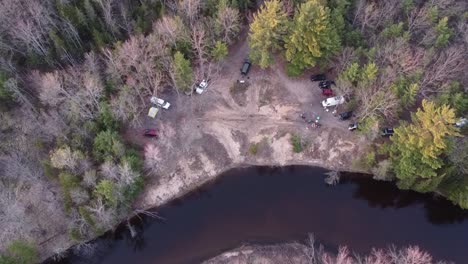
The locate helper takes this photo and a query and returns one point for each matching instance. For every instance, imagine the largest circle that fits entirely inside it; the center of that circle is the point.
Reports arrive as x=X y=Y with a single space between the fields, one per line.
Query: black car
x=387 y=132
x=245 y=67
x=318 y=77
x=345 y=115
x=326 y=84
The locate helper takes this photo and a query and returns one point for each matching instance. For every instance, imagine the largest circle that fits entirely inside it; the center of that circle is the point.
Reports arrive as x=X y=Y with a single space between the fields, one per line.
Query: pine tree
x=443 y=33
x=5 y=94
x=219 y=51
x=266 y=32
x=312 y=36
x=107 y=190
x=182 y=71
x=418 y=147
x=369 y=73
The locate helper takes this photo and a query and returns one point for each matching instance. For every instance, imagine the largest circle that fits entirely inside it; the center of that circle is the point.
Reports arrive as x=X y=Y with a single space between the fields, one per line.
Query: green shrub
x=383 y=170
x=20 y=252
x=67 y=182
x=87 y=217
x=293 y=71
x=106 y=120
x=49 y=171
x=253 y=149
x=296 y=143
x=365 y=162
x=75 y=234
x=133 y=159
x=369 y=127
x=107 y=190
x=132 y=191
x=107 y=145
x=5 y=94
x=384 y=149
x=369 y=159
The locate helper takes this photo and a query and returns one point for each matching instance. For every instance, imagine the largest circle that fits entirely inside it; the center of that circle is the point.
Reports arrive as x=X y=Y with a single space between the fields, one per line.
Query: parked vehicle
x=332 y=101
x=353 y=126
x=462 y=122
x=160 y=102
x=150 y=133
x=201 y=87
x=345 y=115
x=326 y=84
x=327 y=92
x=245 y=67
x=387 y=132
x=153 y=111
x=318 y=77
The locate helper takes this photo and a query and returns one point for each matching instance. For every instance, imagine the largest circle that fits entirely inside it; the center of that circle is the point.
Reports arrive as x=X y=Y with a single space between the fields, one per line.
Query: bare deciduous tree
x=189 y=9
x=65 y=158
x=152 y=158
x=400 y=56
x=374 y=14
x=170 y=29
x=199 y=43
x=228 y=22
x=446 y=65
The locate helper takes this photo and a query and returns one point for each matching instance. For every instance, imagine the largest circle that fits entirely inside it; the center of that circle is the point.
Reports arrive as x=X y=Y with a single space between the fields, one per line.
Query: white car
x=160 y=102
x=332 y=101
x=201 y=87
x=462 y=122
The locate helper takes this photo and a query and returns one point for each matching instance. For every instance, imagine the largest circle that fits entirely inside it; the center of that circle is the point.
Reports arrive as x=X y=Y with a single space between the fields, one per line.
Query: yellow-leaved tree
x=266 y=32
x=418 y=148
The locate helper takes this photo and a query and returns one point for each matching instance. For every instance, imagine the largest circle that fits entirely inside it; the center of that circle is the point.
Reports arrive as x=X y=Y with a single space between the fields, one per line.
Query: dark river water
x=273 y=205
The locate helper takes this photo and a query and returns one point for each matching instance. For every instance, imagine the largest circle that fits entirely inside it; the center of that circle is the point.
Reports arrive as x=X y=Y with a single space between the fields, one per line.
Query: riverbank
x=268 y=205
x=314 y=254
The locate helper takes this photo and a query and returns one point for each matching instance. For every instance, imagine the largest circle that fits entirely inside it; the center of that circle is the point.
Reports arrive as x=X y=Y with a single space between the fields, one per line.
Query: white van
x=332 y=101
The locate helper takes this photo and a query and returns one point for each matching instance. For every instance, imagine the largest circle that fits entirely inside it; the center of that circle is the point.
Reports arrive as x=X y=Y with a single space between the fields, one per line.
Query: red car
x=327 y=92
x=151 y=133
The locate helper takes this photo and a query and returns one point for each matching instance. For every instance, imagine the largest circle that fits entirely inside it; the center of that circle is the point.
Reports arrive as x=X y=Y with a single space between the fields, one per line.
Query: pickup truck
x=160 y=102
x=201 y=87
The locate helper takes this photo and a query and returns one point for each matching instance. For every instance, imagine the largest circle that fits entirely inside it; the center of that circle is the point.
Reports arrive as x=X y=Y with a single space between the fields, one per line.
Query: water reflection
x=273 y=205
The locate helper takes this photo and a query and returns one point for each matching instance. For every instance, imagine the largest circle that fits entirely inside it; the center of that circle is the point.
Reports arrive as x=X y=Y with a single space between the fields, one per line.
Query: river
x=264 y=205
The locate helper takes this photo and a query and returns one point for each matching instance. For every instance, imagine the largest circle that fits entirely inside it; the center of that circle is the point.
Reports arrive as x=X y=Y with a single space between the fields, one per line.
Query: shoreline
x=194 y=187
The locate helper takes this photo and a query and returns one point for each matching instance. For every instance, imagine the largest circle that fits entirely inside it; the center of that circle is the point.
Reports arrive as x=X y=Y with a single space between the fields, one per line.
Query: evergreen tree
x=339 y=9
x=5 y=94
x=219 y=51
x=107 y=190
x=418 y=147
x=107 y=145
x=98 y=39
x=20 y=252
x=182 y=71
x=443 y=33
x=369 y=73
x=266 y=32
x=312 y=37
